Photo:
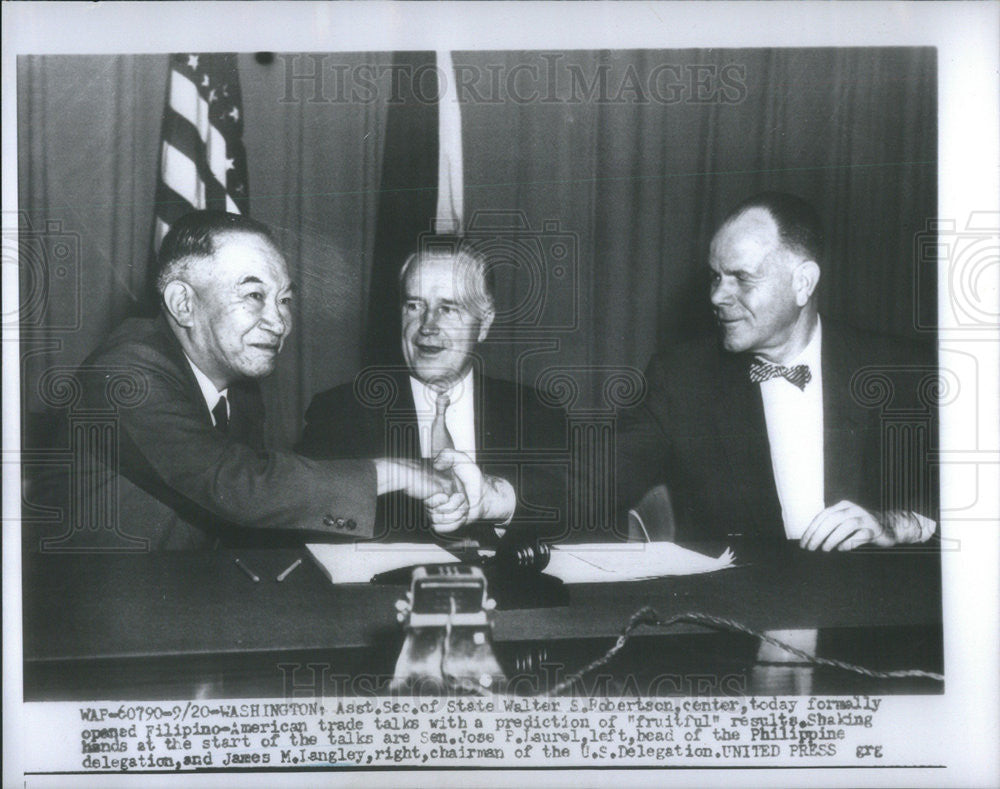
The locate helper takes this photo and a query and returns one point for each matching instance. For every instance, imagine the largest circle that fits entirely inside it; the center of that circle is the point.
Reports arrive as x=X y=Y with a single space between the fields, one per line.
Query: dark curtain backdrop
x=613 y=194
x=643 y=184
x=89 y=137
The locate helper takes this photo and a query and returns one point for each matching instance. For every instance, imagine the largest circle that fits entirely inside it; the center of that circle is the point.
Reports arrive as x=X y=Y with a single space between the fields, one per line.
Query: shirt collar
x=425 y=397
x=811 y=354
x=208 y=390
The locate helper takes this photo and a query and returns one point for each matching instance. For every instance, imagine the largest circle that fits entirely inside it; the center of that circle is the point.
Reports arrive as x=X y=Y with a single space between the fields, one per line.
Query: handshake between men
x=193 y=467
x=756 y=432
x=454 y=490
x=446 y=420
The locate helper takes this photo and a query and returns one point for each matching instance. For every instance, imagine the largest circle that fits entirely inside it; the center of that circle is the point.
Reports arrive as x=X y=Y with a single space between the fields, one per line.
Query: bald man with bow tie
x=767 y=432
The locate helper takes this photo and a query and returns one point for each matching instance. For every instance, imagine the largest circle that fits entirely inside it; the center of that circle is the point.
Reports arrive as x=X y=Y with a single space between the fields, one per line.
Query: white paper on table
x=632 y=561
x=356 y=563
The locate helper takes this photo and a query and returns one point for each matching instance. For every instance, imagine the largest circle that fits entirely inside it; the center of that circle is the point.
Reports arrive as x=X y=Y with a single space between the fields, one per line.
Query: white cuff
x=910 y=527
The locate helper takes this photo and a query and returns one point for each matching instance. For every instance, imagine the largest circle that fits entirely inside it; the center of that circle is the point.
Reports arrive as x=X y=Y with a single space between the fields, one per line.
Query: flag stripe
x=184 y=99
x=185 y=138
x=202 y=158
x=186 y=102
x=181 y=134
x=215 y=195
x=161 y=228
x=181 y=175
x=170 y=206
x=192 y=179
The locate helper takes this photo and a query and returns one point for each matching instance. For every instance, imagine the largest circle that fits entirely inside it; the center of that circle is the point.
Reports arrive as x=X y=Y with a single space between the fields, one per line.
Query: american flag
x=203 y=163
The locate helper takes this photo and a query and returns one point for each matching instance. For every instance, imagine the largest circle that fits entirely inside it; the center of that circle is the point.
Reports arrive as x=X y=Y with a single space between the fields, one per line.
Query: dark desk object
x=515 y=573
x=161 y=625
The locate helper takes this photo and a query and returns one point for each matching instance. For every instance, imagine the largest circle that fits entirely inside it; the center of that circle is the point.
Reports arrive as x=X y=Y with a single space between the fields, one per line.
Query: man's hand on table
x=846 y=526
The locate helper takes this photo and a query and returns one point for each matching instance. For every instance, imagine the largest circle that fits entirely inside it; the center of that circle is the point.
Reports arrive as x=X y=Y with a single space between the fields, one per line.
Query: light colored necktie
x=440 y=437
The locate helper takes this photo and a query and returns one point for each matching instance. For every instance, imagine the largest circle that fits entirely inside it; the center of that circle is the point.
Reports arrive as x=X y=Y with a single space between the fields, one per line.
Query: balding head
x=764 y=279
x=798 y=222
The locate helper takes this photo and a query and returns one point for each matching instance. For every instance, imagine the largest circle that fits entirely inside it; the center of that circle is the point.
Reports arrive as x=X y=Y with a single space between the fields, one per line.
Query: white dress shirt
x=208 y=390
x=460 y=418
x=795 y=431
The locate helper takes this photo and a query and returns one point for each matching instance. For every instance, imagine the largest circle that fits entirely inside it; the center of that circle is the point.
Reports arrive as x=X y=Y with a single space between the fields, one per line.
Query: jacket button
x=328 y=520
x=340 y=523
x=351 y=524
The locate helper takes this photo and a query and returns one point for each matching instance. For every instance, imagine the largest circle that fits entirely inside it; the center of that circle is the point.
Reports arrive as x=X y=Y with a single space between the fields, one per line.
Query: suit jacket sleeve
x=166 y=440
x=642 y=446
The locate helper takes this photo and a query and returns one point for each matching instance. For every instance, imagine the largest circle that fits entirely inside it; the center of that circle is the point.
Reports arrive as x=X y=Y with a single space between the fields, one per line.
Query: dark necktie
x=440 y=437
x=761 y=371
x=221 y=416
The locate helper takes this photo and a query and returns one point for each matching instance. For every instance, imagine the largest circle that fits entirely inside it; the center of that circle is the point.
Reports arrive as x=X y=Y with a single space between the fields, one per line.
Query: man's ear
x=178 y=299
x=804 y=281
x=485 y=323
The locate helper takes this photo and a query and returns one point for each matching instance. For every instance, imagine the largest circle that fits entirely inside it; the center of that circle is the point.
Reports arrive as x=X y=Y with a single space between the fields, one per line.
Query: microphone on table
x=447 y=617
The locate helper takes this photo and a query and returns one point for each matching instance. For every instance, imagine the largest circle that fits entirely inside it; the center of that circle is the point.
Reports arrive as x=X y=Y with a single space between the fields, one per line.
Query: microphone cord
x=647 y=615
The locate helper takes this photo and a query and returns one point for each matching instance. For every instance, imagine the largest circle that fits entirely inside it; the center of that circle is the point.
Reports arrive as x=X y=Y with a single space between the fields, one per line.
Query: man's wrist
x=382 y=475
x=906 y=528
x=499 y=500
x=392 y=474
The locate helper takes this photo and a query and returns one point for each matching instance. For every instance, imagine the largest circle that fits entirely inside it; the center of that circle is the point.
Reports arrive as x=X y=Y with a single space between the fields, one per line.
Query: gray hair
x=472 y=279
x=195 y=236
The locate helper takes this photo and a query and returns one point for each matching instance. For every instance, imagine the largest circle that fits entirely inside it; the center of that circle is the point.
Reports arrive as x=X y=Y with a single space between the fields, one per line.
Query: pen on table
x=288 y=570
x=249 y=573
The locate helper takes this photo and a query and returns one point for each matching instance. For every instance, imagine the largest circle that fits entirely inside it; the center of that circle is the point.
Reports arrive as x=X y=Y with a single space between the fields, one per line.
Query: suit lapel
x=399 y=425
x=739 y=413
x=173 y=348
x=246 y=414
x=493 y=410
x=246 y=406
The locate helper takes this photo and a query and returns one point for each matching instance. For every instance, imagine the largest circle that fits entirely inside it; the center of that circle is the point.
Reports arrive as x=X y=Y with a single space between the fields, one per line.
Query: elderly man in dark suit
x=441 y=402
x=192 y=467
x=765 y=432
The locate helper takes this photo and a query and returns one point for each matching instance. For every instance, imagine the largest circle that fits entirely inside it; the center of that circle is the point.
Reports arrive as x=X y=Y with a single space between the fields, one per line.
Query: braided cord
x=648 y=615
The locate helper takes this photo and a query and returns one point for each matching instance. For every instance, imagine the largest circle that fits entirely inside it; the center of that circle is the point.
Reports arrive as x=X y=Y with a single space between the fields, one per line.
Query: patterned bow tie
x=761 y=371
